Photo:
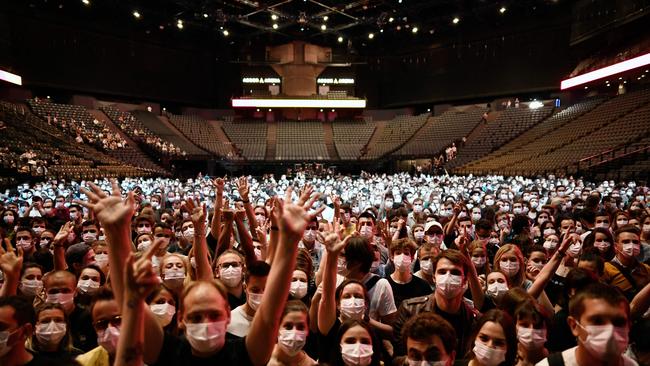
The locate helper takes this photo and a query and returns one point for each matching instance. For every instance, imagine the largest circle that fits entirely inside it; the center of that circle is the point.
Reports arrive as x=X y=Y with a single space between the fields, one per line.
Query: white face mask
x=366 y=231
x=50 y=333
x=88 y=237
x=31 y=287
x=188 y=233
x=254 y=300
x=88 y=286
x=509 y=268
x=479 y=262
x=605 y=340
x=144 y=245
x=574 y=250
x=531 y=338
x=298 y=289
x=417 y=208
x=418 y=235
x=230 y=276
x=291 y=341
x=309 y=236
x=163 y=312
x=496 y=289
x=402 y=262
x=25 y=245
x=143 y=230
x=108 y=338
x=101 y=259
x=357 y=354
x=449 y=285
x=353 y=308
x=550 y=245
x=206 y=337
x=488 y=356
x=65 y=300
x=173 y=277
x=631 y=249
x=426 y=266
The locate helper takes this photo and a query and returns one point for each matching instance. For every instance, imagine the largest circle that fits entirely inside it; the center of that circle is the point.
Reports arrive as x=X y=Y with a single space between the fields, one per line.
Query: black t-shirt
x=560 y=337
x=235 y=301
x=82 y=331
x=327 y=343
x=555 y=288
x=42 y=360
x=415 y=288
x=176 y=351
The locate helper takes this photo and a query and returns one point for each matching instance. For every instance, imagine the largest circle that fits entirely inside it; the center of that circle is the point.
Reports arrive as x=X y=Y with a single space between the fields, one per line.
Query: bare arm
x=203 y=267
x=243 y=189
x=640 y=303
x=327 y=305
x=246 y=241
x=11 y=265
x=545 y=275
x=59 y=251
x=215 y=224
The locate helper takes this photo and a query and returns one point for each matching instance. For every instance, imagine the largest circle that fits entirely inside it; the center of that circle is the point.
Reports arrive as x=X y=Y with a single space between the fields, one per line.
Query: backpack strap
x=555 y=359
x=372 y=281
x=627 y=275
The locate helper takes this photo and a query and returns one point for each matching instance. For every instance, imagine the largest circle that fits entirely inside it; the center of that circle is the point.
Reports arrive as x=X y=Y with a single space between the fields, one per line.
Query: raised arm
x=478 y=295
x=549 y=268
x=198 y=214
x=215 y=224
x=246 y=241
x=11 y=265
x=274 y=216
x=58 y=245
x=327 y=305
x=263 y=331
x=244 y=189
x=140 y=281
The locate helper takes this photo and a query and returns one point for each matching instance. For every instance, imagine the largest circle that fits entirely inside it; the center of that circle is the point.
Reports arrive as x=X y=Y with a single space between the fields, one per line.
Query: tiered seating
x=337 y=94
x=511 y=152
x=442 y=131
x=397 y=131
x=300 y=141
x=248 y=137
x=508 y=125
x=28 y=135
x=611 y=123
x=351 y=137
x=166 y=132
x=77 y=122
x=202 y=133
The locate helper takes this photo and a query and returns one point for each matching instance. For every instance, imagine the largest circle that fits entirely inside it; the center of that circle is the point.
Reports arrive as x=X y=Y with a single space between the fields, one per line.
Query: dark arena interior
x=323 y=182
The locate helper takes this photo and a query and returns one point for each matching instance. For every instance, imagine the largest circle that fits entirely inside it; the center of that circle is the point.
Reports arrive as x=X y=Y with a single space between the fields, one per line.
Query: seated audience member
x=429 y=339
x=624 y=271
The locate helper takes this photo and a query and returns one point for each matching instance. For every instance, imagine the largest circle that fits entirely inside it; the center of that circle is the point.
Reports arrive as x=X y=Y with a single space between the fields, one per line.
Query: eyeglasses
x=103 y=324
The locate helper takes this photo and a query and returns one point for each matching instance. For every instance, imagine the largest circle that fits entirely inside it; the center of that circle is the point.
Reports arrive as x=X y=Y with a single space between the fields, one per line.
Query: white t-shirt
x=382 y=302
x=569 y=357
x=240 y=322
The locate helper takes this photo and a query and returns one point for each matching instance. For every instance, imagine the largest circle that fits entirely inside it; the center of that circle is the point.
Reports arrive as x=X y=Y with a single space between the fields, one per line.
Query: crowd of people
x=139 y=133
x=334 y=270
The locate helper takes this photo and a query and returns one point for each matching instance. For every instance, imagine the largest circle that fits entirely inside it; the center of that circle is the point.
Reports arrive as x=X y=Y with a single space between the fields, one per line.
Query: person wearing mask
x=310 y=243
x=402 y=281
x=531 y=321
x=107 y=321
x=51 y=337
x=451 y=271
x=496 y=285
x=163 y=305
x=429 y=340
x=229 y=270
x=292 y=337
x=89 y=232
x=31 y=280
x=16 y=326
x=25 y=239
x=255 y=282
x=174 y=272
x=603 y=241
x=494 y=341
x=143 y=241
x=426 y=253
x=599 y=319
x=90 y=280
x=624 y=271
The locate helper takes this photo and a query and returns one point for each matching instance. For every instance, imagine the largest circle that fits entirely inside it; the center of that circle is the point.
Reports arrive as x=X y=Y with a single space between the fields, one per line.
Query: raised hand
x=197 y=212
x=334 y=245
x=305 y=193
x=111 y=211
x=62 y=236
x=10 y=263
x=293 y=221
x=242 y=188
x=140 y=278
x=218 y=185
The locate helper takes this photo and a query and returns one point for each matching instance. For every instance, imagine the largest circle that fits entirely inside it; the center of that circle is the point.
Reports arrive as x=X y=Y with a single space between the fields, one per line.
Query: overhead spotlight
x=226 y=33
x=391 y=19
x=326 y=18
x=270 y=110
x=302 y=29
x=340 y=39
x=414 y=30
x=179 y=24
x=371 y=35
x=502 y=10
x=399 y=1
x=398 y=28
x=275 y=26
x=205 y=15
x=323 y=27
x=455 y=20
x=381 y=31
x=86 y=2
x=136 y=14
x=274 y=17
x=586 y=87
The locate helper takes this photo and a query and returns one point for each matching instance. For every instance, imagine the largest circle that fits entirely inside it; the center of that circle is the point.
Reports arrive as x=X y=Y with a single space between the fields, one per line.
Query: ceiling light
x=274 y=17
x=323 y=27
x=456 y=20
x=302 y=29
x=86 y=2
x=414 y=30
x=136 y=14
x=502 y=10
x=391 y=19
x=586 y=87
x=179 y=24
x=326 y=18
x=399 y=1
x=398 y=27
x=226 y=33
x=275 y=26
x=371 y=35
x=340 y=39
x=381 y=31
x=205 y=15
